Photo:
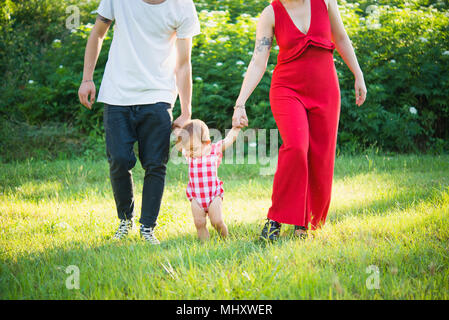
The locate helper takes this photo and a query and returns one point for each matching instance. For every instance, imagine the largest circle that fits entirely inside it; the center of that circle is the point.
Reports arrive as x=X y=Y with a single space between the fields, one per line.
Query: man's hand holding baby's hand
x=181 y=120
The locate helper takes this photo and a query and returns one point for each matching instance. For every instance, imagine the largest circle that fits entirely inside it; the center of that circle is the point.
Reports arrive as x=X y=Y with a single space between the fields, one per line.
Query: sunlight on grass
x=391 y=213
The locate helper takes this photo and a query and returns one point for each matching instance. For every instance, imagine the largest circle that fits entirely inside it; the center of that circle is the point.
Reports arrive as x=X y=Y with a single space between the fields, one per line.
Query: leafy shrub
x=401 y=46
x=21 y=141
x=405 y=58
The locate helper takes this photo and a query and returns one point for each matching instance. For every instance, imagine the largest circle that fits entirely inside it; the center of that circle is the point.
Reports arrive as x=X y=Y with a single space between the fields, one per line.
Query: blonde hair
x=195 y=129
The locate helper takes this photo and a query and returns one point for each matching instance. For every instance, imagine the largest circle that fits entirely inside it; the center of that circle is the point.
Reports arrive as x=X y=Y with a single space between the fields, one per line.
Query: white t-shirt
x=142 y=57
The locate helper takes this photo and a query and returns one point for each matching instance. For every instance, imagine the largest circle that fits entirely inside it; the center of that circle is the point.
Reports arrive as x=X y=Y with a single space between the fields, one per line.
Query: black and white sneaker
x=271 y=231
x=147 y=233
x=123 y=229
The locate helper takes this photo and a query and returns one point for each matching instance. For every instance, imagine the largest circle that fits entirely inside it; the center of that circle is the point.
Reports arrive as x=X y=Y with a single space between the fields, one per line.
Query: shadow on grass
x=118 y=267
x=43 y=275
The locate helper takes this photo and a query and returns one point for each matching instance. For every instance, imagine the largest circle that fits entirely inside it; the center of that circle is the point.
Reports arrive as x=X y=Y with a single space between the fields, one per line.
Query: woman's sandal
x=302 y=235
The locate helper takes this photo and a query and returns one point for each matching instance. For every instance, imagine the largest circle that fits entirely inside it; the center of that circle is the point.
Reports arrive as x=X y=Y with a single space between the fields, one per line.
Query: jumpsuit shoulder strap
x=276 y=8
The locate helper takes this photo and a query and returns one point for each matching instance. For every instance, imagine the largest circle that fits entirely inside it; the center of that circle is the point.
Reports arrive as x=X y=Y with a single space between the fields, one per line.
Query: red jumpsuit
x=305 y=101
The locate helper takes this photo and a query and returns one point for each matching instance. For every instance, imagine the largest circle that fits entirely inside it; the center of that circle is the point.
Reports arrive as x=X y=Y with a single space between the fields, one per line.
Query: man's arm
x=93 y=49
x=184 y=79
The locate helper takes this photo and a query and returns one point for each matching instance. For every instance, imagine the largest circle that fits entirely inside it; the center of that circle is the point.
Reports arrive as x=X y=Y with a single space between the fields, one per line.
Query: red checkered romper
x=204 y=184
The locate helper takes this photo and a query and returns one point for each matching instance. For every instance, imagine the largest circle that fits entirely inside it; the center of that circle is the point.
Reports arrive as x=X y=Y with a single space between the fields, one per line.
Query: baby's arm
x=230 y=138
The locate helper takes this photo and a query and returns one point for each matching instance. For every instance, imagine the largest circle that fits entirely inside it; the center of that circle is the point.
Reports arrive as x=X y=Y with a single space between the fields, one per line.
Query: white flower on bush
x=240 y=63
x=446 y=53
x=373 y=26
x=423 y=39
x=215 y=85
x=201 y=55
x=245 y=15
x=219 y=64
x=223 y=39
x=250 y=53
x=73 y=31
x=31 y=81
x=392 y=61
x=199 y=79
x=211 y=24
x=61 y=66
x=56 y=41
x=413 y=110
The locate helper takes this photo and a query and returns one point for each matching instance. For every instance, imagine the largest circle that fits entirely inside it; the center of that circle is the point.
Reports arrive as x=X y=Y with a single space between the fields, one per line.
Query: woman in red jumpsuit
x=305 y=101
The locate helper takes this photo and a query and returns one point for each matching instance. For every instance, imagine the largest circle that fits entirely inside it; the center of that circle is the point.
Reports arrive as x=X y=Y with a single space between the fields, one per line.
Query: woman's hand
x=239 y=119
x=360 y=91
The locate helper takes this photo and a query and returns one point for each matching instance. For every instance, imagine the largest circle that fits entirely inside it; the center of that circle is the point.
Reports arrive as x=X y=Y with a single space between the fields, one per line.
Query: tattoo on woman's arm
x=103 y=19
x=261 y=45
x=264 y=43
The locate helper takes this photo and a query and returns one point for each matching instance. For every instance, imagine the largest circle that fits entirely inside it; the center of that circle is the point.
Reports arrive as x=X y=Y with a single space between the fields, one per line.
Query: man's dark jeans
x=150 y=126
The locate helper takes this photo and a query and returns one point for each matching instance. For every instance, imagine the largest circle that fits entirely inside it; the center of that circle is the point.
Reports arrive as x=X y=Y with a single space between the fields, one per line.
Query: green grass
x=390 y=212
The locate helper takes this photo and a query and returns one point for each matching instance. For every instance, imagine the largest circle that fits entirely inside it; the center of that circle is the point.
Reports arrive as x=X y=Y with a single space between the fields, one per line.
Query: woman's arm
x=346 y=50
x=93 y=49
x=258 y=64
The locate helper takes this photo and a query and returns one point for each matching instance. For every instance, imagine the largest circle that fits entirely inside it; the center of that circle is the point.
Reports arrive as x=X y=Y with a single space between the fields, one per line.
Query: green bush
x=402 y=48
x=405 y=58
x=21 y=141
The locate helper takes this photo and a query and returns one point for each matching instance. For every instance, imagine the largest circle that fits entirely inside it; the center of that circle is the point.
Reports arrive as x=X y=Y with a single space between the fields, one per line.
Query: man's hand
x=181 y=120
x=239 y=119
x=87 y=89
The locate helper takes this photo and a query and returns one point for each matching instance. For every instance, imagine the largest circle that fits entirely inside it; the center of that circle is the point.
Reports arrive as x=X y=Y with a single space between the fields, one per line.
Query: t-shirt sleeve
x=189 y=25
x=106 y=9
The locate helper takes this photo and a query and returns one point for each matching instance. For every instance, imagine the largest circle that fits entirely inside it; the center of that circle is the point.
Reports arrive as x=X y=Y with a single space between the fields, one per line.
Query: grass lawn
x=389 y=214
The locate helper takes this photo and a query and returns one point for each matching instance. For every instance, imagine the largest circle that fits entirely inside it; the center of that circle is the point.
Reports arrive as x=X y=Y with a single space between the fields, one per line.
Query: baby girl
x=204 y=190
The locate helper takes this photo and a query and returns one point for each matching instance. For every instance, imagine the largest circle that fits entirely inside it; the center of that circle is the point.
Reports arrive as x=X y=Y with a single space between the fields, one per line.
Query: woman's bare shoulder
x=267 y=14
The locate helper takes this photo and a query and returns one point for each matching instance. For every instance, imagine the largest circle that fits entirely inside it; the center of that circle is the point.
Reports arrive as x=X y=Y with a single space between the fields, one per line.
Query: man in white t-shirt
x=148 y=65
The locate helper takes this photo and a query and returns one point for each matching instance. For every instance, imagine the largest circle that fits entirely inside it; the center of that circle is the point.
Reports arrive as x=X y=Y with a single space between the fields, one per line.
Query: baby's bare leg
x=199 y=218
x=216 y=217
